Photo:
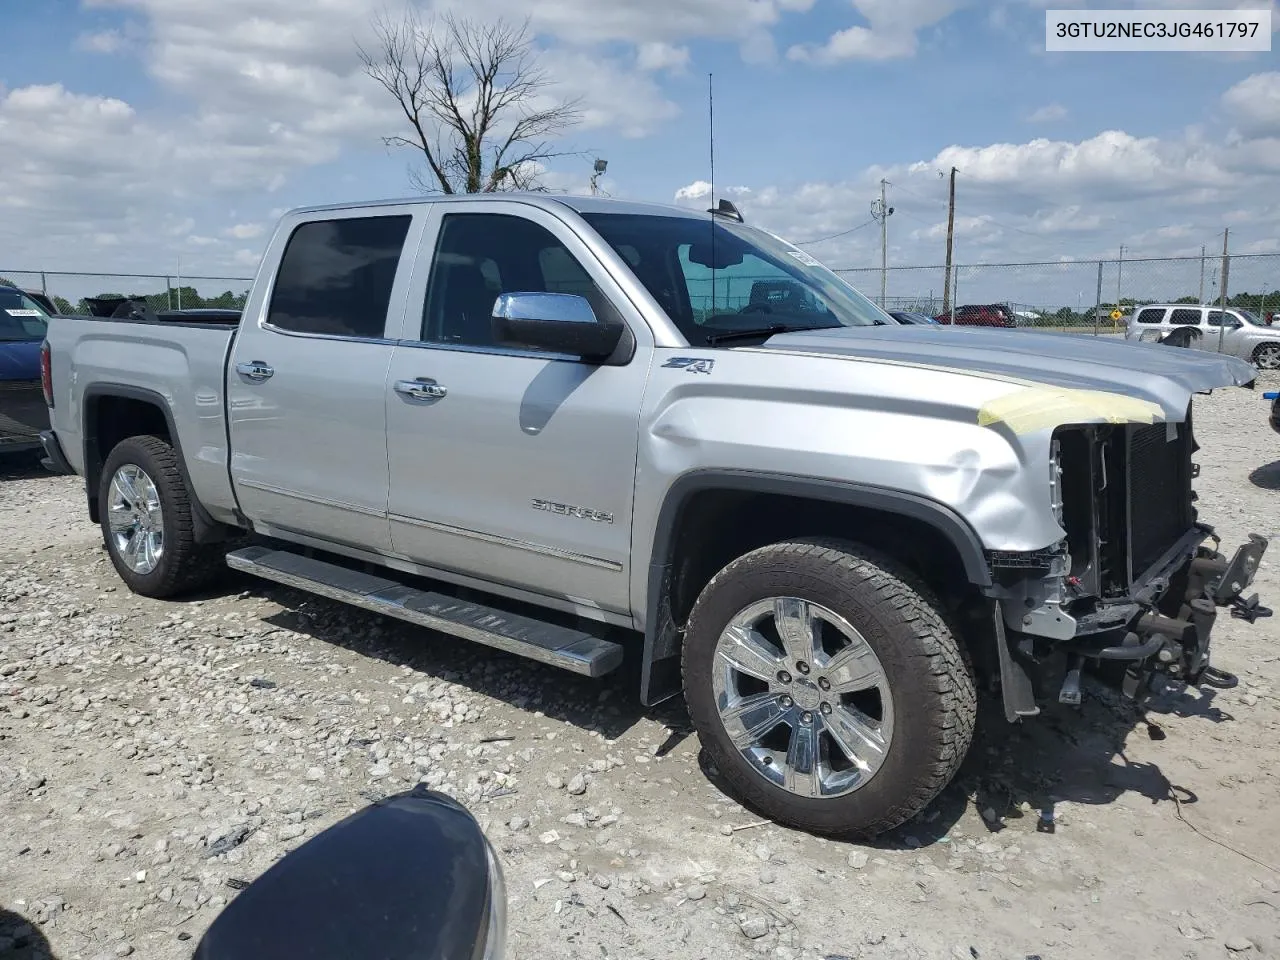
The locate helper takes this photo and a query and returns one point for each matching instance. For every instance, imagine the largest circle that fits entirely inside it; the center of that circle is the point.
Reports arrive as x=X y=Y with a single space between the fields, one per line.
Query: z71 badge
x=691 y=364
x=569 y=510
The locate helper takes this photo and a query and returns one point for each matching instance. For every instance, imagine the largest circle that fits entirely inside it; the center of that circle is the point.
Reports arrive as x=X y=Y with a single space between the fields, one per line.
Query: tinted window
x=336 y=276
x=482 y=255
x=1215 y=319
x=1151 y=316
x=21 y=318
x=1185 y=318
x=720 y=276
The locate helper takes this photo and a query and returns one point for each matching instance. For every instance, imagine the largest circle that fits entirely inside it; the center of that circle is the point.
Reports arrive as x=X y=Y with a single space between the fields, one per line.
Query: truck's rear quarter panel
x=181 y=366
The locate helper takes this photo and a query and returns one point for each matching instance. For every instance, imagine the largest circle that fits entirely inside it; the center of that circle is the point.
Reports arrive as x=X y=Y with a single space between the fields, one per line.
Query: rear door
x=518 y=467
x=1182 y=317
x=306 y=390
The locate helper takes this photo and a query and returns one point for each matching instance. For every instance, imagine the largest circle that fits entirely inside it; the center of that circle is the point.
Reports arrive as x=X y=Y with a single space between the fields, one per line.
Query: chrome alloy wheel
x=135 y=519
x=1267 y=357
x=803 y=696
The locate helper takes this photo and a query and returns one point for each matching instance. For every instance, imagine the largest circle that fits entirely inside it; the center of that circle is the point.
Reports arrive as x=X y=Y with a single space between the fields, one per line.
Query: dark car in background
x=981 y=315
x=23 y=414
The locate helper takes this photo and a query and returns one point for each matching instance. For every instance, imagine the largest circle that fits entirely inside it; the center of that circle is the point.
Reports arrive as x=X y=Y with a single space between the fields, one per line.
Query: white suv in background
x=1202 y=326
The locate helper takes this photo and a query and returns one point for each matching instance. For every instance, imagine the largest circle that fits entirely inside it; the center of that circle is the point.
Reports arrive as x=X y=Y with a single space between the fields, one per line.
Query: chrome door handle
x=254 y=370
x=423 y=388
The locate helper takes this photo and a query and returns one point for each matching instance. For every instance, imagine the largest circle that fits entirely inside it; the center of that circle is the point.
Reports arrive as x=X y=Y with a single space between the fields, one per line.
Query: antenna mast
x=711 y=136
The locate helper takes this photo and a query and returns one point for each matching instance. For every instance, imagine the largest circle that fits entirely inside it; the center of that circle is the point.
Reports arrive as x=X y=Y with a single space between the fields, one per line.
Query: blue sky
x=143 y=133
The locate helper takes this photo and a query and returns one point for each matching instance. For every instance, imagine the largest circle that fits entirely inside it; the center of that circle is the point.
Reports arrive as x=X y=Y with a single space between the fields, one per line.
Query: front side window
x=718 y=279
x=1185 y=318
x=480 y=256
x=21 y=318
x=335 y=277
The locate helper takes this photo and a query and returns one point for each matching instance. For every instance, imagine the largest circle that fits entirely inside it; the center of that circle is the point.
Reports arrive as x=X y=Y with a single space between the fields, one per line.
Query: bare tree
x=479 y=107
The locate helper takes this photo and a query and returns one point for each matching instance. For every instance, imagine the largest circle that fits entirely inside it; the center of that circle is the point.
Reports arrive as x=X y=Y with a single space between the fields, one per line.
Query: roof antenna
x=711 y=131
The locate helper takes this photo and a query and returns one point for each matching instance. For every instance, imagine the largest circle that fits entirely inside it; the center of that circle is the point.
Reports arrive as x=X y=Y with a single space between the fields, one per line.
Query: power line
x=835 y=236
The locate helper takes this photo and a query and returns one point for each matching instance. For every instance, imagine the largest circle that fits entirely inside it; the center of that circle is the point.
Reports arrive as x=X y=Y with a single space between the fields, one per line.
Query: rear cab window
x=335 y=277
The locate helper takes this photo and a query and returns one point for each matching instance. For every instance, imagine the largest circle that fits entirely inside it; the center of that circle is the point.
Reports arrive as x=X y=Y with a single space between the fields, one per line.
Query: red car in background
x=990 y=315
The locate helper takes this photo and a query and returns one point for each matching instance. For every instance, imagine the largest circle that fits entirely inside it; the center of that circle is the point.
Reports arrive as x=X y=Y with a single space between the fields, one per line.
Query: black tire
x=184 y=565
x=926 y=671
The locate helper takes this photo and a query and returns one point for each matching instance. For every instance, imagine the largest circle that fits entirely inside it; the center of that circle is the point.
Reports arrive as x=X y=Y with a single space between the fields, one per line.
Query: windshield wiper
x=768 y=331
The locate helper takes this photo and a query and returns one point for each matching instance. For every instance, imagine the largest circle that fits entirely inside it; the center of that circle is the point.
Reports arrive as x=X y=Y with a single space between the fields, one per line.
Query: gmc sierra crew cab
x=576 y=428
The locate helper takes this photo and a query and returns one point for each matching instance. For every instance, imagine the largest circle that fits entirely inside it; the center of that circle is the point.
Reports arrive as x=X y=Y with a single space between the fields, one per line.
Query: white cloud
x=102 y=41
x=892 y=31
x=1254 y=104
x=1037 y=200
x=636 y=21
x=656 y=55
x=698 y=190
x=1050 y=113
x=245 y=231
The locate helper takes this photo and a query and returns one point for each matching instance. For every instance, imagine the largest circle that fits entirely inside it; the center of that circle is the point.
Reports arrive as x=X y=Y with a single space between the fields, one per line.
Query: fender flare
x=660 y=668
x=207 y=530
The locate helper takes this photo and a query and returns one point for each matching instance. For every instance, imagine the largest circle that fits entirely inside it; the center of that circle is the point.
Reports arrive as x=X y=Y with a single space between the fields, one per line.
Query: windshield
x=1250 y=317
x=720 y=277
x=21 y=318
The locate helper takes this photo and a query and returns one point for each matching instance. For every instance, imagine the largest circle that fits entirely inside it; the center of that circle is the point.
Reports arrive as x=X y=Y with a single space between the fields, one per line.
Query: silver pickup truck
x=577 y=429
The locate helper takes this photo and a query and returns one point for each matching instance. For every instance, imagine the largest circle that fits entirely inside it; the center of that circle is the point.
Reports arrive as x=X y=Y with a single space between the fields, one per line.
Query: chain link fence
x=71 y=291
x=1066 y=296
x=1080 y=296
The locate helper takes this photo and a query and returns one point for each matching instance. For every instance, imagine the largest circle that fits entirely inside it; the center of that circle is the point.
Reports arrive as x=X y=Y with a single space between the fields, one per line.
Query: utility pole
x=951 y=229
x=882 y=212
x=1201 y=300
x=1226 y=269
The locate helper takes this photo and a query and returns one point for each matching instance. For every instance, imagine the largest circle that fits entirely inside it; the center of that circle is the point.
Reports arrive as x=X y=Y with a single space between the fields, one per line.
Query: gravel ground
x=153 y=753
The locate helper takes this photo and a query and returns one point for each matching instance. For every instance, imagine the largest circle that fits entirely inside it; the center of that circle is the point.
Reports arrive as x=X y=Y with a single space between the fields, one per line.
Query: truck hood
x=1165 y=376
x=20 y=359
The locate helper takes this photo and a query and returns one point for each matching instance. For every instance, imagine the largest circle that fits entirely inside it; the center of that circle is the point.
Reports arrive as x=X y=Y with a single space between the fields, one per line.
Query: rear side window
x=1185 y=318
x=336 y=275
x=1151 y=316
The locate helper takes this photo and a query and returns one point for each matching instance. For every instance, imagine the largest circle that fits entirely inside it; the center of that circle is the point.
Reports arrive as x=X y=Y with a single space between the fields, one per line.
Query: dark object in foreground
x=410 y=877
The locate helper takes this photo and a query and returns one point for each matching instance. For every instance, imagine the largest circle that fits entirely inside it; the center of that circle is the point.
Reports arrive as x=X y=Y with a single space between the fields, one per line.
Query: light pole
x=598 y=171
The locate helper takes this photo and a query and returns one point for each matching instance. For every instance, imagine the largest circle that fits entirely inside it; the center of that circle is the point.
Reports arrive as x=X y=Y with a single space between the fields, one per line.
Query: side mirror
x=409 y=876
x=558 y=322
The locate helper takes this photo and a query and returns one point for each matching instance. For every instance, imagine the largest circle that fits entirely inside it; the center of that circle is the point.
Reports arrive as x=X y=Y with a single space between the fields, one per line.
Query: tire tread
x=187 y=565
x=891 y=594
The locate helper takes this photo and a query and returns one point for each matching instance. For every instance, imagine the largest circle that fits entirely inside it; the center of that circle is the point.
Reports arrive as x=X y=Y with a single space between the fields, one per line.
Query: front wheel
x=826 y=688
x=1267 y=356
x=145 y=510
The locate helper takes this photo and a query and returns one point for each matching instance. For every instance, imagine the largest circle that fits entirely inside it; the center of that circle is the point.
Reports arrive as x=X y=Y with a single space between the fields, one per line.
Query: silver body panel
x=507 y=477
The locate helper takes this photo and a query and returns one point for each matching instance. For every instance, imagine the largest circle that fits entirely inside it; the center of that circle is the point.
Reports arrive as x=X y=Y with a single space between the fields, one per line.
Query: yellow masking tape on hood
x=1038 y=408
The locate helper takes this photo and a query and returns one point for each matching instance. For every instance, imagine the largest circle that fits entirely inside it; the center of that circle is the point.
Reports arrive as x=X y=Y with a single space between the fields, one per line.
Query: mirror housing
x=557 y=322
x=409 y=877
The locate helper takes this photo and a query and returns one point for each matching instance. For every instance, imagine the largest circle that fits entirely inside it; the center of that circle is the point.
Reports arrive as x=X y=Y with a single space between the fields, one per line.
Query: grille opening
x=1159 y=492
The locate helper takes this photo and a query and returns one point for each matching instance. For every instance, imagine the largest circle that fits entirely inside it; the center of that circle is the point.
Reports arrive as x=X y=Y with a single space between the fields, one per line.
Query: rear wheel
x=826 y=688
x=145 y=511
x=1267 y=356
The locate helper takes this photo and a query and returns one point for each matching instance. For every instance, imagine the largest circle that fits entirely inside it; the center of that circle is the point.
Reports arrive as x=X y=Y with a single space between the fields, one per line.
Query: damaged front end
x=1134 y=583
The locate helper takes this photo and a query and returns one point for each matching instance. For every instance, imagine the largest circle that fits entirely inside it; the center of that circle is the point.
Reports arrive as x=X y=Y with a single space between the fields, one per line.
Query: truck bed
x=181 y=361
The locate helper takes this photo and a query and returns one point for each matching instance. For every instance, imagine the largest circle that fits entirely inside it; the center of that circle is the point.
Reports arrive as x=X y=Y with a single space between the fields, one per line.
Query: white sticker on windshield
x=804 y=258
x=24 y=313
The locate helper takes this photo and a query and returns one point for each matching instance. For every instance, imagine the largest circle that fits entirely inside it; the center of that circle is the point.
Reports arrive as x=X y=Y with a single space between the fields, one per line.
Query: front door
x=512 y=466
x=306 y=391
